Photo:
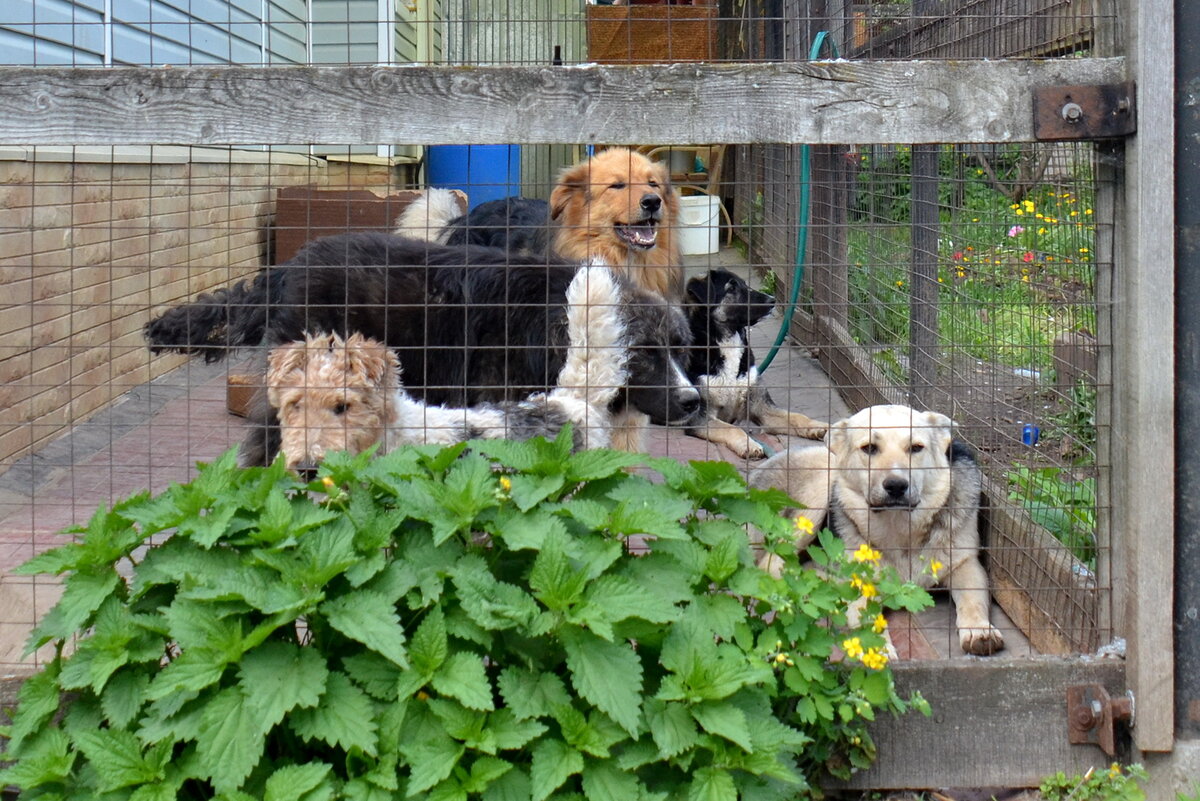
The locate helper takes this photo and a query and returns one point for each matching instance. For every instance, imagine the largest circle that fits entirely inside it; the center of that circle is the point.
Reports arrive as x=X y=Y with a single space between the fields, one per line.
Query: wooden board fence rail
x=820 y=102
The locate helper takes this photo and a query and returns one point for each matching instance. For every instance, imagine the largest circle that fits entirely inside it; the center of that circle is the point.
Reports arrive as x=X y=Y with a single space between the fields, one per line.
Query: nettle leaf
x=429 y=647
x=671 y=726
x=327 y=552
x=531 y=694
x=712 y=784
x=494 y=605
x=725 y=557
x=123 y=697
x=595 y=464
x=231 y=740
x=526 y=530
x=431 y=762
x=308 y=782
x=636 y=517
x=39 y=700
x=603 y=781
x=46 y=758
x=194 y=669
x=83 y=593
x=528 y=491
x=512 y=786
x=117 y=758
x=210 y=525
x=557 y=583
x=278 y=677
x=553 y=763
x=509 y=732
x=484 y=771
x=344 y=717
x=614 y=598
x=591 y=513
x=462 y=676
x=607 y=674
x=724 y=720
x=371 y=619
x=720 y=614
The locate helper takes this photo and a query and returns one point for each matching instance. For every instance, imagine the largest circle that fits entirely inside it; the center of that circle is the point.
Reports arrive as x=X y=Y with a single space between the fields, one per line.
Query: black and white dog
x=469 y=324
x=721 y=308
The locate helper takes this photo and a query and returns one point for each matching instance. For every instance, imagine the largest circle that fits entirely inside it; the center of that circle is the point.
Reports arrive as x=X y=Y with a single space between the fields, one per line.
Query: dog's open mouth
x=639 y=236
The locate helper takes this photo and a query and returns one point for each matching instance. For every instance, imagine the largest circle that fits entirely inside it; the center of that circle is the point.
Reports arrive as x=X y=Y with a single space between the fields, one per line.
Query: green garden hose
x=802 y=233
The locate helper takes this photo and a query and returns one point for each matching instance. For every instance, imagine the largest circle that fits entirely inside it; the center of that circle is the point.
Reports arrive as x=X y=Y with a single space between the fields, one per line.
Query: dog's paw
x=747 y=448
x=981 y=641
x=815 y=430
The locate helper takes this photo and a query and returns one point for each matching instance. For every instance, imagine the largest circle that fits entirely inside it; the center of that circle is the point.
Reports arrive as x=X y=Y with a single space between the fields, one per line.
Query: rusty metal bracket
x=1092 y=715
x=1103 y=111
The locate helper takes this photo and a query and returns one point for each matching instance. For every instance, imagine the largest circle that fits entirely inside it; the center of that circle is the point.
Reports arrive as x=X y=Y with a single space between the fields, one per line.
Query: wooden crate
x=649 y=34
x=304 y=213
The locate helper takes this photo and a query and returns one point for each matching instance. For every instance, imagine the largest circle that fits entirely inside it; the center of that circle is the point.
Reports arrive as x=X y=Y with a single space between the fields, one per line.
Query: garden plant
x=502 y=621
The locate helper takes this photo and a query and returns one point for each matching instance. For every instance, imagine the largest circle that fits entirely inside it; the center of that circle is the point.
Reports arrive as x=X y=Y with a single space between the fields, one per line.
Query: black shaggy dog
x=721 y=308
x=516 y=224
x=470 y=324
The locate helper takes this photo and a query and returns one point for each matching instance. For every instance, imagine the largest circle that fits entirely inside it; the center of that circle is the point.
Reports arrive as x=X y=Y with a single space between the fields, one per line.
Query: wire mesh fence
x=966 y=279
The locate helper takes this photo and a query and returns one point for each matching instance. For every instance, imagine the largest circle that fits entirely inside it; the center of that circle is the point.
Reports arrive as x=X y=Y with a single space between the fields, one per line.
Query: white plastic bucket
x=699 y=228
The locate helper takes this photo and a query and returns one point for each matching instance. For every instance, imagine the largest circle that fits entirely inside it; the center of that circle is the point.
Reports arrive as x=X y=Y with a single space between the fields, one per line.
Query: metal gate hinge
x=1101 y=111
x=1092 y=715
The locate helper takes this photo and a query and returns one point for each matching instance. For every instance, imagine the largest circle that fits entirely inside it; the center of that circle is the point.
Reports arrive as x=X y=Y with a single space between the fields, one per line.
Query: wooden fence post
x=923 y=286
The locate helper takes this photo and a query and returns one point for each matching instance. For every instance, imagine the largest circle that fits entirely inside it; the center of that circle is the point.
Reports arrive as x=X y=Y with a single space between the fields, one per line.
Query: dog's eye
x=870 y=449
x=653 y=184
x=340 y=409
x=617 y=185
x=916 y=447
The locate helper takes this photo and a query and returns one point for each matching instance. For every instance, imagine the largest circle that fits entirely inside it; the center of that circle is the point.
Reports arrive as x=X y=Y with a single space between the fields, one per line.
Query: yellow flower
x=866 y=553
x=1042 y=230
x=1020 y=213
x=935 y=567
x=780 y=658
x=1027 y=205
x=875 y=659
x=899 y=283
x=328 y=482
x=1087 y=211
x=880 y=623
x=1025 y=278
x=940 y=280
x=505 y=483
x=1083 y=250
x=865 y=587
x=852 y=647
x=1074 y=214
x=974 y=219
x=1015 y=206
x=804 y=524
x=1039 y=215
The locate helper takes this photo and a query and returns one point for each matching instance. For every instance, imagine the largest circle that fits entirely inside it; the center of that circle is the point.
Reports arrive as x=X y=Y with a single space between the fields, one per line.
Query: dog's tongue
x=639 y=235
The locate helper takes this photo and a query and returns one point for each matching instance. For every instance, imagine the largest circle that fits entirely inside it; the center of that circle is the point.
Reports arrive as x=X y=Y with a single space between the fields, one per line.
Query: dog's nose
x=689 y=403
x=651 y=202
x=306 y=470
x=895 y=487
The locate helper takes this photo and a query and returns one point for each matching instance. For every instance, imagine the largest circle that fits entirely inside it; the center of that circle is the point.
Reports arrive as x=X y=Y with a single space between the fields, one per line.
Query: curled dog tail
x=597 y=361
x=427 y=217
x=217 y=321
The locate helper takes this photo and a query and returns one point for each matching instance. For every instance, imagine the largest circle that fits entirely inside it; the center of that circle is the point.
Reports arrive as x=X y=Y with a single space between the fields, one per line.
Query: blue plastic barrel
x=484 y=172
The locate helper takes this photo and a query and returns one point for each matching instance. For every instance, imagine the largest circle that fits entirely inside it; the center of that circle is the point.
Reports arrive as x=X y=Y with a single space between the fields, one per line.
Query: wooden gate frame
x=999 y=722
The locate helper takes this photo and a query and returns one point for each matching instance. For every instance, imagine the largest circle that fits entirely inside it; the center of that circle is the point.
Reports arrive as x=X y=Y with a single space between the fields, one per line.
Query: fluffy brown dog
x=617 y=208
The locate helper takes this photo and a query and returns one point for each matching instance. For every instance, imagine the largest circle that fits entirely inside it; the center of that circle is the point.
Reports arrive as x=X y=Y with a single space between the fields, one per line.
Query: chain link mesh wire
x=967 y=279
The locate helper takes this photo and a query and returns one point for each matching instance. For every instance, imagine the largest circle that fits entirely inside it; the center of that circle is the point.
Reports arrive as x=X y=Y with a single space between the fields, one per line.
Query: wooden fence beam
x=817 y=102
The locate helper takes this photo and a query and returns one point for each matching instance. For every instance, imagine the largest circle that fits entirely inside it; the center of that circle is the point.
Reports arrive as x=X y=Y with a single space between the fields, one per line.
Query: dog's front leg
x=972 y=604
x=775 y=420
x=729 y=435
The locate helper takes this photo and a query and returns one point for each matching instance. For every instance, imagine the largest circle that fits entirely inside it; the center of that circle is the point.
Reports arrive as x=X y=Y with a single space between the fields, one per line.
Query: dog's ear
x=373 y=360
x=835 y=439
x=698 y=289
x=572 y=183
x=281 y=361
x=942 y=430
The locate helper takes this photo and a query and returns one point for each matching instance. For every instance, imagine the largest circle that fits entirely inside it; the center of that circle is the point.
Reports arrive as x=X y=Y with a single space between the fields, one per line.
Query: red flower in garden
x=1028 y=257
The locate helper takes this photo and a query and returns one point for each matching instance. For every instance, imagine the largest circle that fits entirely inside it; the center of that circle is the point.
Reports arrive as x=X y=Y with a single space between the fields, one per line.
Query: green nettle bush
x=450 y=624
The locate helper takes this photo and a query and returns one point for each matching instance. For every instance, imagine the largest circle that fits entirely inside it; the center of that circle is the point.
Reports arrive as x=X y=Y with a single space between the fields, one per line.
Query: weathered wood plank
x=996 y=723
x=824 y=102
x=1144 y=360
